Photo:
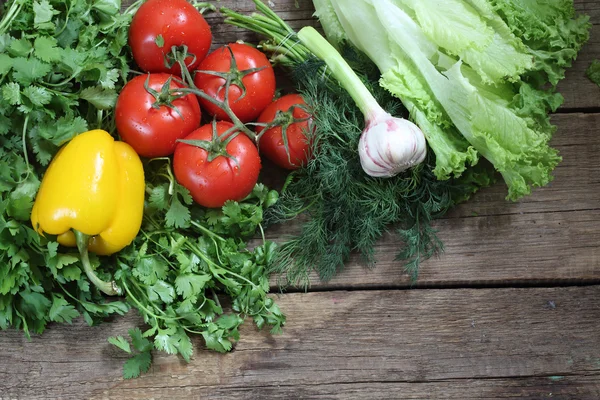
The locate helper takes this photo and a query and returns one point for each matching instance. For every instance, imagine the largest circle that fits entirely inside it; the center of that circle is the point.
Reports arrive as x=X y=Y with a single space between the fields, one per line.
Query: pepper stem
x=108 y=288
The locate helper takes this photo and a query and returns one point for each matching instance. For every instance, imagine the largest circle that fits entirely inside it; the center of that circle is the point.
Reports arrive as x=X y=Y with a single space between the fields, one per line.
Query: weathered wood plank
x=553 y=235
x=489 y=343
x=553 y=387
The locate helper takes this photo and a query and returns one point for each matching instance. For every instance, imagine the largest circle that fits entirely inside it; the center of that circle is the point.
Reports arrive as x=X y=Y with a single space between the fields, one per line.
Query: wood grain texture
x=551 y=236
x=484 y=344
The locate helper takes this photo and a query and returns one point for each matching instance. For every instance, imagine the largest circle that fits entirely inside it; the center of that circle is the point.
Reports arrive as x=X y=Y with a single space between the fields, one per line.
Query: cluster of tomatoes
x=160 y=113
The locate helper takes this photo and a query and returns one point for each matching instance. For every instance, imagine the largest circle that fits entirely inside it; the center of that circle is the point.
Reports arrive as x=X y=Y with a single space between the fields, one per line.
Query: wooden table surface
x=510 y=310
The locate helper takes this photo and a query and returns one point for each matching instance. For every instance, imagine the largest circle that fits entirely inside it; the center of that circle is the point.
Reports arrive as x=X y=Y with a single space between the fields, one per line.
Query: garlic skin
x=390 y=145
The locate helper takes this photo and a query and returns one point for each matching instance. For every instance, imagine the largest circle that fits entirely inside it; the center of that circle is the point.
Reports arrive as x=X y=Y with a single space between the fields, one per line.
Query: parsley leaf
x=20 y=47
x=28 y=70
x=102 y=99
x=45 y=48
x=38 y=95
x=140 y=343
x=162 y=291
x=11 y=92
x=136 y=365
x=121 y=343
x=5 y=63
x=191 y=285
x=43 y=12
x=61 y=310
x=179 y=215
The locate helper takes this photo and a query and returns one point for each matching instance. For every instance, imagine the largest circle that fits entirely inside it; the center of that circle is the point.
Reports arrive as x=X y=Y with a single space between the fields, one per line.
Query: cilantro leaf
x=21 y=198
x=66 y=259
x=52 y=249
x=72 y=59
x=44 y=150
x=62 y=130
x=178 y=215
x=136 y=365
x=34 y=303
x=109 y=78
x=120 y=342
x=149 y=270
x=108 y=7
x=71 y=273
x=184 y=345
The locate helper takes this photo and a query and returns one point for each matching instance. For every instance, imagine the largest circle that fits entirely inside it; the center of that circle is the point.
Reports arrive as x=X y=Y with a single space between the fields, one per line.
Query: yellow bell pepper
x=92 y=197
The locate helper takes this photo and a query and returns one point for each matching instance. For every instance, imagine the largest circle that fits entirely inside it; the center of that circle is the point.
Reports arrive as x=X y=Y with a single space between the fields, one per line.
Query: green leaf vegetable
x=472 y=74
x=348 y=210
x=61 y=67
x=593 y=72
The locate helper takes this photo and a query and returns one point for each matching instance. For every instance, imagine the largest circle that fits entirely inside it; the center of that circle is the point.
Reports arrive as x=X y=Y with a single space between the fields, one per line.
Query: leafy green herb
x=61 y=67
x=52 y=56
x=177 y=274
x=142 y=357
x=593 y=72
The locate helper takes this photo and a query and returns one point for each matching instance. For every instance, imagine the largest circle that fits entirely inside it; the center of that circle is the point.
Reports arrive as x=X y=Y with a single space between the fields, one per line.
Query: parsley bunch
x=62 y=65
x=184 y=260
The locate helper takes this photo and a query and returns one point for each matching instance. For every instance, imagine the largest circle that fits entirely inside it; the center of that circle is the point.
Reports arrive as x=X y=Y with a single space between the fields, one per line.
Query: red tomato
x=174 y=23
x=154 y=132
x=212 y=183
x=260 y=86
x=271 y=142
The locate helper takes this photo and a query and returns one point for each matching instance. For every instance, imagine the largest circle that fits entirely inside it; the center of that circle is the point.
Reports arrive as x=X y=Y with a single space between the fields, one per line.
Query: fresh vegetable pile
x=130 y=153
x=477 y=77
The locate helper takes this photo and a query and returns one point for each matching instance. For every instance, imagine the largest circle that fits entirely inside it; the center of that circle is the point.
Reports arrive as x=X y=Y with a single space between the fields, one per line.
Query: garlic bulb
x=390 y=145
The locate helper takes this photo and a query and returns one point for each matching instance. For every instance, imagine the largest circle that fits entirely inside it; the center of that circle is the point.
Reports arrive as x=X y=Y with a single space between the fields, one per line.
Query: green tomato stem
x=108 y=288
